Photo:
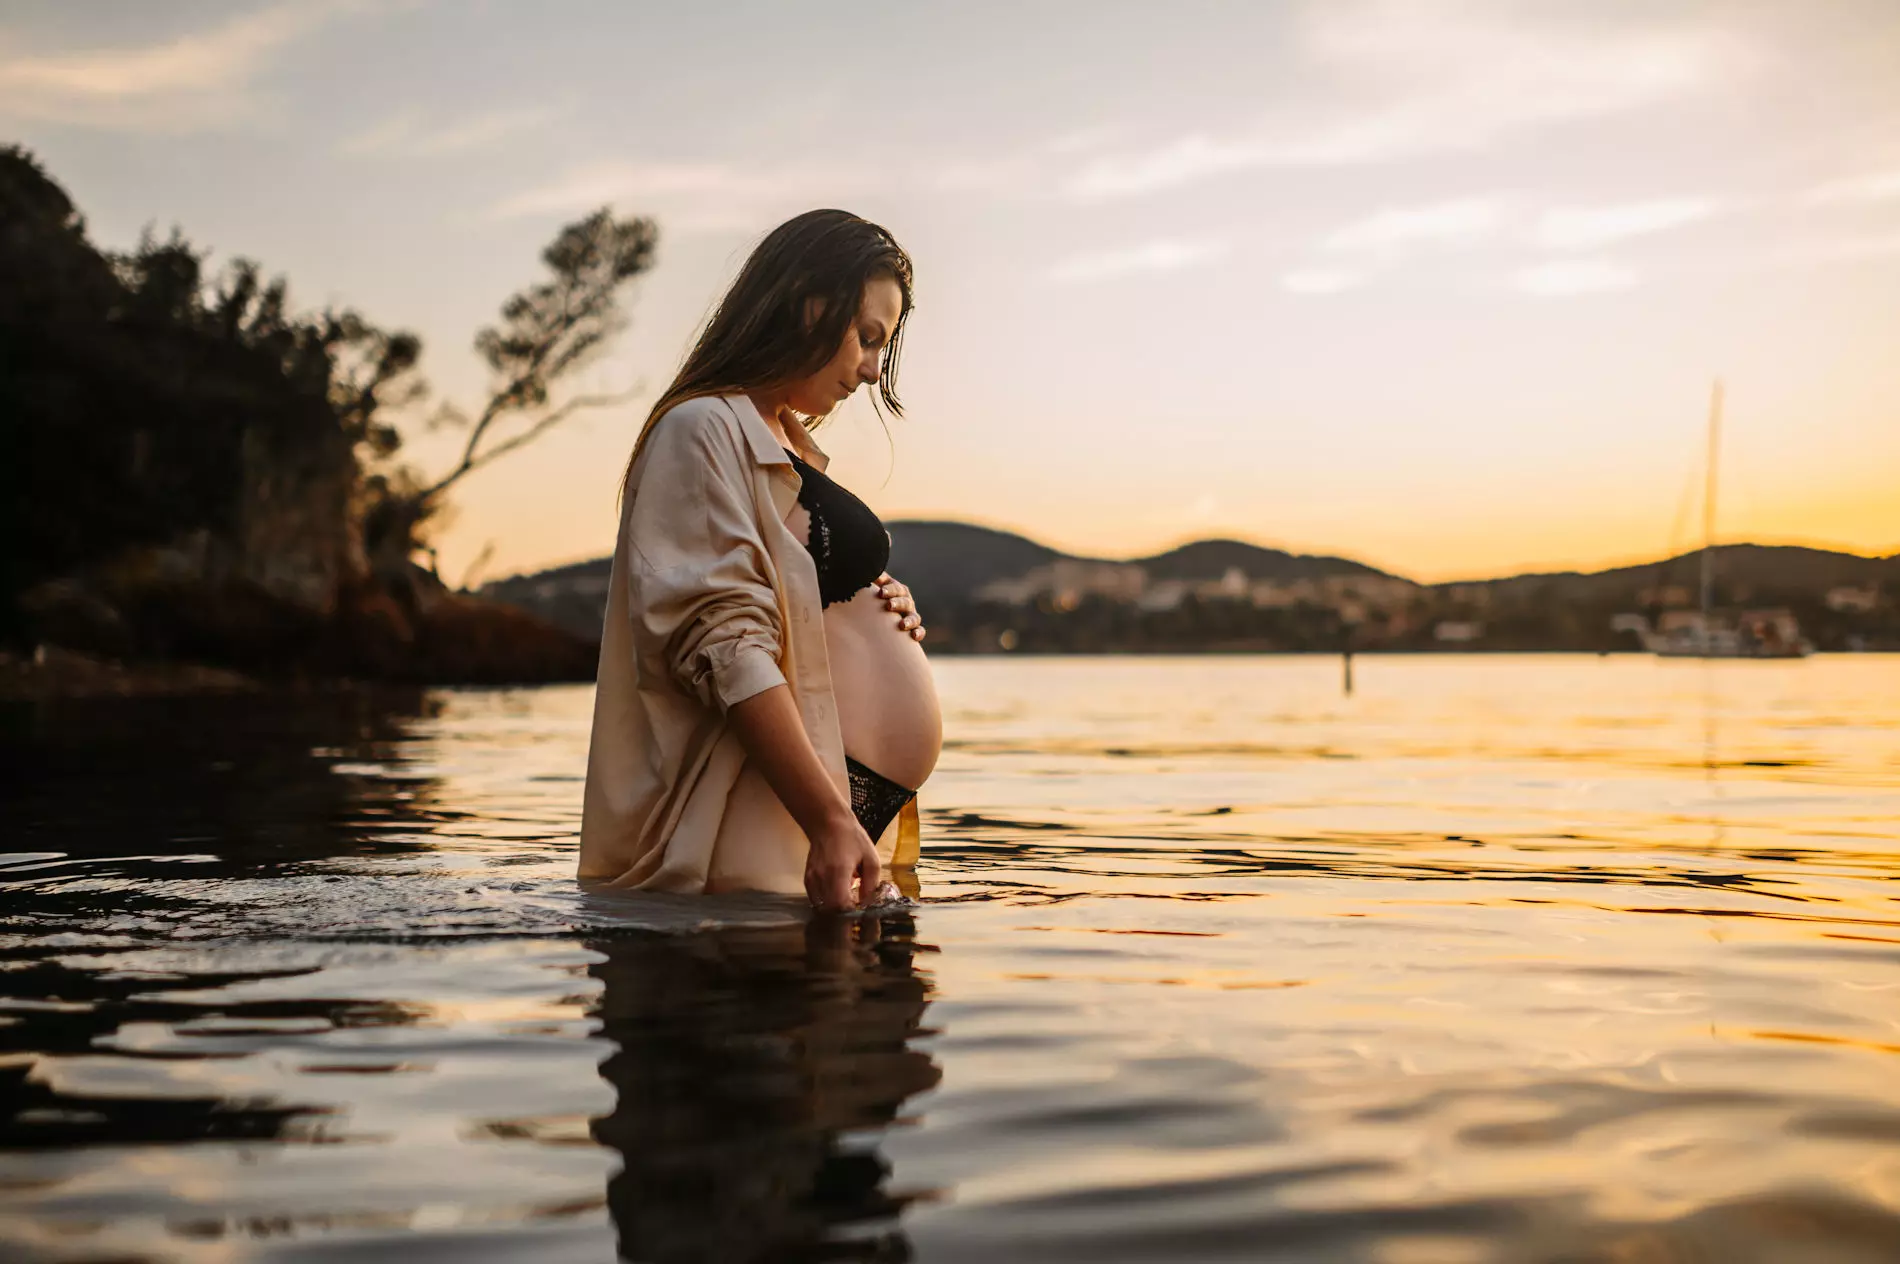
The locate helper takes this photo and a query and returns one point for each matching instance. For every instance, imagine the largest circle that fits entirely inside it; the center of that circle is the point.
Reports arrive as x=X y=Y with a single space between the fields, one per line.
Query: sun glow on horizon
x=1438 y=286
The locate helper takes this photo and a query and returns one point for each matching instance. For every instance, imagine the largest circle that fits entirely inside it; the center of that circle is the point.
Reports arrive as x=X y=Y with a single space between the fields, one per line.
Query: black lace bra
x=847 y=541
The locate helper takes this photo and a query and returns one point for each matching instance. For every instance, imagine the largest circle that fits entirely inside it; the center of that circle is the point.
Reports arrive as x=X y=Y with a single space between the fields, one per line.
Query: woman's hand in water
x=898 y=601
x=841 y=853
x=838 y=853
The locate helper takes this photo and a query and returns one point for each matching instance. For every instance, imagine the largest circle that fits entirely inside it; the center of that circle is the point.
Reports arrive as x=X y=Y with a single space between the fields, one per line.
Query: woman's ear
x=814 y=310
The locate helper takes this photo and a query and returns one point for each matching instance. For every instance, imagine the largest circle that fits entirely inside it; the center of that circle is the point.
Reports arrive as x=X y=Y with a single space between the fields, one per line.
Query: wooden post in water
x=1346 y=660
x=1708 y=517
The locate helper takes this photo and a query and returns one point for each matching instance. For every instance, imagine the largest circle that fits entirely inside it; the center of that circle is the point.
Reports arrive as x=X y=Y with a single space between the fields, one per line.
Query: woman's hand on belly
x=897 y=600
x=887 y=699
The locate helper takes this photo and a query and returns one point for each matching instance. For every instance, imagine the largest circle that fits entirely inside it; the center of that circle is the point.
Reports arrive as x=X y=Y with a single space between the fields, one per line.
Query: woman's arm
x=702 y=603
x=774 y=739
x=704 y=612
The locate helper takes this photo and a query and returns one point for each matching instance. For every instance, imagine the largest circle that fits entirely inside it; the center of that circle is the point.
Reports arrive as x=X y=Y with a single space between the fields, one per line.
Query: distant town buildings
x=1666 y=597
x=1849 y=599
x=1066 y=582
x=1774 y=627
x=1771 y=632
x=586 y=586
x=1063 y=585
x=1682 y=622
x=1082 y=605
x=1165 y=595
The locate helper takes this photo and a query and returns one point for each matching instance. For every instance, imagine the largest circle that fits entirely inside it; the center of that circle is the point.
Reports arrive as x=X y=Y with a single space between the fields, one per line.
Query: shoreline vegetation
x=202 y=480
x=207 y=493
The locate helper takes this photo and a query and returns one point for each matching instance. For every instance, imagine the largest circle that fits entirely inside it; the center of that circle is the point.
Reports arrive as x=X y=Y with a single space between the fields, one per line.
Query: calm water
x=1501 y=959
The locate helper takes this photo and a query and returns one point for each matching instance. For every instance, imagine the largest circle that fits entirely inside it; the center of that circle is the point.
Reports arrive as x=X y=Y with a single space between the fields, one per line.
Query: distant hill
x=1753 y=569
x=570 y=597
x=951 y=560
x=948 y=563
x=945 y=563
x=1211 y=559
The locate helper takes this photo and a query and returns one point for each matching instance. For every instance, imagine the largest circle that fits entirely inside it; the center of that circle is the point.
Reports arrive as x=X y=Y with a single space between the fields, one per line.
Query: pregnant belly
x=887 y=699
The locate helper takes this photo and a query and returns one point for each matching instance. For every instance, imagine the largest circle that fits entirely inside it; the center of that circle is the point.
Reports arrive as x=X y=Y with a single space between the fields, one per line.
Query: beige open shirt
x=713 y=599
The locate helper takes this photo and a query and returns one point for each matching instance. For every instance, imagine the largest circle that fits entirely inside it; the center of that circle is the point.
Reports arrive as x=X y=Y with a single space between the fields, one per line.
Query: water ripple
x=1499 y=960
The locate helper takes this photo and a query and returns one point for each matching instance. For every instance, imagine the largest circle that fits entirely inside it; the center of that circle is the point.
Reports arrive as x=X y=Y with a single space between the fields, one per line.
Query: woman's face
x=855 y=363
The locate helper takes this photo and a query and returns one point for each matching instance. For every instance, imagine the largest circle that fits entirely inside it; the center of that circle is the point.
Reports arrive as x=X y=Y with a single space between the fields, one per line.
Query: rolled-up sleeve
x=699 y=585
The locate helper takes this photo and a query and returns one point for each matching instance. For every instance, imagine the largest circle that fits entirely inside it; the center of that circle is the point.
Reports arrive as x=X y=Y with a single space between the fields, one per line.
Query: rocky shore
x=91 y=640
x=52 y=672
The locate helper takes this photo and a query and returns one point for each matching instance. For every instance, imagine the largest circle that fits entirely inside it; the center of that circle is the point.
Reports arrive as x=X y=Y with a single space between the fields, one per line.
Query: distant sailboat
x=1756 y=633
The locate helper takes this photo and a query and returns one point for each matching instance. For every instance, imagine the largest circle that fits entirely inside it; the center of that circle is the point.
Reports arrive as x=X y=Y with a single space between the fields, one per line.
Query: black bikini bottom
x=875 y=799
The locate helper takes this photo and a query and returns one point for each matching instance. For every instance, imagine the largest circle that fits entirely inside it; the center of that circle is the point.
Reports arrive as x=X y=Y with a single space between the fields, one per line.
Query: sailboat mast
x=1708 y=509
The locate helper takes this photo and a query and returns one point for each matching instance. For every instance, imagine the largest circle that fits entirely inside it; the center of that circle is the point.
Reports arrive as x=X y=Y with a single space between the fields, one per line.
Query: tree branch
x=471 y=462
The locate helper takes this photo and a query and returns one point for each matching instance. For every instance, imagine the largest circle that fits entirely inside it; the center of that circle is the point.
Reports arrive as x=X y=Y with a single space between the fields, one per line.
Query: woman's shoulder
x=704 y=423
x=700 y=413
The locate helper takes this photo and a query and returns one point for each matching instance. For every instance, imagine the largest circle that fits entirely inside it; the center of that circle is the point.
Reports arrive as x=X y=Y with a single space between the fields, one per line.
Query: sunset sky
x=1437 y=284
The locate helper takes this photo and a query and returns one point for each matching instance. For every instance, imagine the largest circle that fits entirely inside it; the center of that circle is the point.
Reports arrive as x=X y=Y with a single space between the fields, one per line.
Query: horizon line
x=1624 y=562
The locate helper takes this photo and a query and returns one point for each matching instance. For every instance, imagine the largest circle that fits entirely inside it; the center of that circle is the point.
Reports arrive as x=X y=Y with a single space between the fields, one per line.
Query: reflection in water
x=257 y=780
x=753 y=1070
x=1494 y=960
x=64 y=1018
x=127 y=817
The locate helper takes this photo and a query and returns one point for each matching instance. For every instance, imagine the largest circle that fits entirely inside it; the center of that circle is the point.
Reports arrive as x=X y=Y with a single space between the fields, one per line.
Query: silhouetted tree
x=547 y=332
x=142 y=401
x=136 y=403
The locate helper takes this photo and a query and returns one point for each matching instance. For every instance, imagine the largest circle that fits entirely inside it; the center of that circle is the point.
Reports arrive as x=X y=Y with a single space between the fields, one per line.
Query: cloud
x=1568 y=277
x=992 y=174
x=1183 y=161
x=1414 y=78
x=1165 y=255
x=1010 y=169
x=1381 y=238
x=1082 y=139
x=202 y=79
x=1456 y=223
x=410 y=134
x=721 y=195
x=1321 y=280
x=1835 y=250
x=1203 y=508
x=1879 y=186
x=1585 y=228
x=691 y=196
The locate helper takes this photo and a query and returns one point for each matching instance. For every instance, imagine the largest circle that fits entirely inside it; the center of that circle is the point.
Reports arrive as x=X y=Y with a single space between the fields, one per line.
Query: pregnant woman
x=764 y=713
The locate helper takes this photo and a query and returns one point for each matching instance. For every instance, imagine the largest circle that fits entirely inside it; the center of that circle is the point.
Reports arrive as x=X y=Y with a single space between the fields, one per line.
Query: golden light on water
x=1482 y=957
x=1497 y=957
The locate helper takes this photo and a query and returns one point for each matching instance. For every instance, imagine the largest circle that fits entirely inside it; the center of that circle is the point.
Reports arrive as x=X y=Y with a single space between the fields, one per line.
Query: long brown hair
x=760 y=336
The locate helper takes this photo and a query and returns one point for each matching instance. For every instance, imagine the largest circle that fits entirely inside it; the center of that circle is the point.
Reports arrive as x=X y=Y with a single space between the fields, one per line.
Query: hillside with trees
x=988 y=591
x=196 y=470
